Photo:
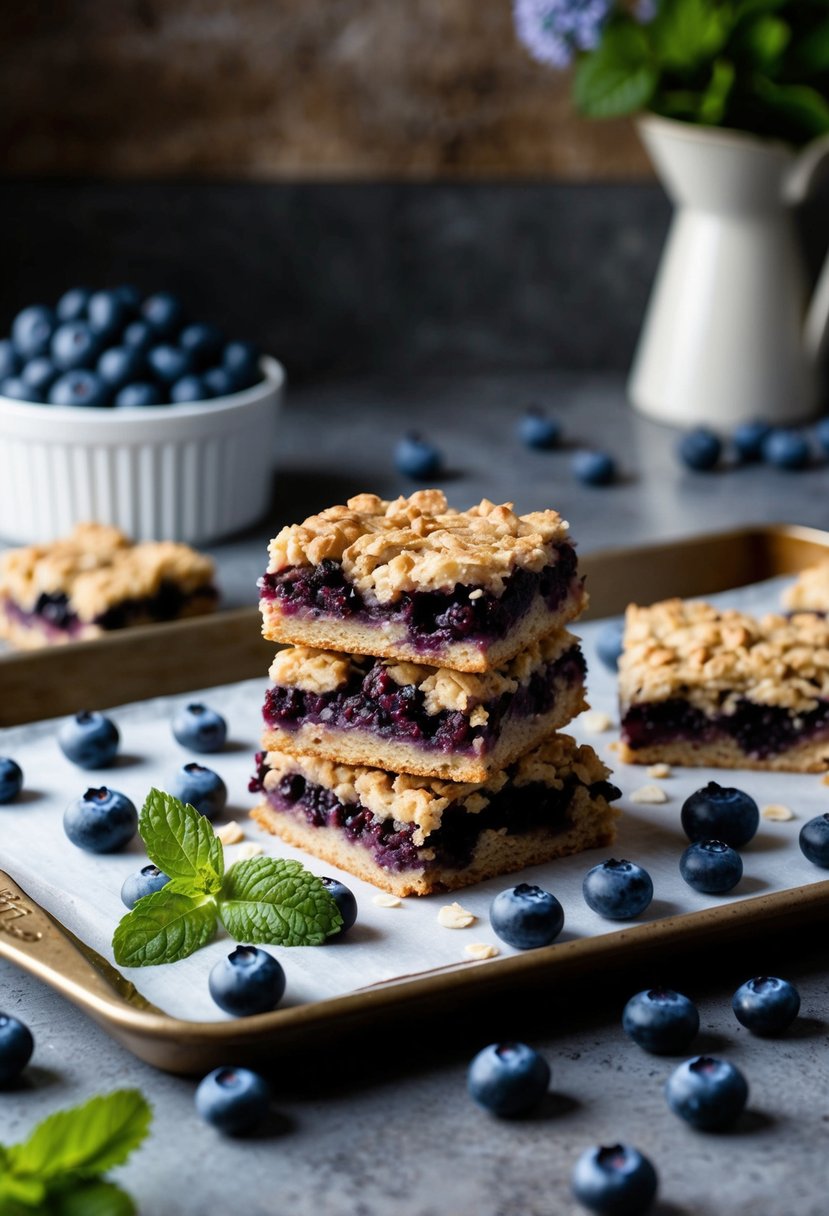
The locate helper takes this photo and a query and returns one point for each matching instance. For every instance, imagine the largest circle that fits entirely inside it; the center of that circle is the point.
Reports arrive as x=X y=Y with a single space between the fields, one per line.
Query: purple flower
x=553 y=31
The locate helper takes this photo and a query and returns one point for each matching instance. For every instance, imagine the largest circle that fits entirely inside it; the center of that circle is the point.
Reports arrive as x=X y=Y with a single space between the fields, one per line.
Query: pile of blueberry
x=119 y=348
x=783 y=447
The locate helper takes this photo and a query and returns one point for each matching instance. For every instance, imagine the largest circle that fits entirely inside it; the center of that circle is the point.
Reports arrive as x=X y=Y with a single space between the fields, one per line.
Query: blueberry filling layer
x=373 y=701
x=517 y=809
x=759 y=730
x=53 y=611
x=430 y=618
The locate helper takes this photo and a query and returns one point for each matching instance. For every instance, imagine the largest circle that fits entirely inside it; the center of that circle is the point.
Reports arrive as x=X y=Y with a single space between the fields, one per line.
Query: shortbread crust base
x=808 y=757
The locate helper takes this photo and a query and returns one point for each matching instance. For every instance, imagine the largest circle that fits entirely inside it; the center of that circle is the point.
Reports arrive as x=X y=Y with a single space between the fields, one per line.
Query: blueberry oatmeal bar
x=413 y=718
x=699 y=686
x=414 y=835
x=416 y=581
x=810 y=592
x=96 y=580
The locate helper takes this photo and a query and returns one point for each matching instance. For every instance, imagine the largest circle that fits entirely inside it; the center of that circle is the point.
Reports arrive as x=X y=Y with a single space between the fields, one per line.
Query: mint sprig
x=266 y=900
x=59 y=1168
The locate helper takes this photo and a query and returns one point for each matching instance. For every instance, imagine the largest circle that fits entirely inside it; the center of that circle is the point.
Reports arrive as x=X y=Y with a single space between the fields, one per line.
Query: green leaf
x=715 y=98
x=181 y=842
x=812 y=50
x=273 y=900
x=20 y=1195
x=763 y=41
x=800 y=105
x=618 y=77
x=164 y=927
x=97 y=1198
x=686 y=33
x=84 y=1140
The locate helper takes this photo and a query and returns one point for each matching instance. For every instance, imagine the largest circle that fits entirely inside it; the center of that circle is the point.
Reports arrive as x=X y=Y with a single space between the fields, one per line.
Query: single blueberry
x=169 y=363
x=139 y=394
x=11 y=779
x=10 y=361
x=32 y=331
x=233 y=1100
x=700 y=449
x=711 y=866
x=219 y=382
x=199 y=787
x=718 y=812
x=345 y=901
x=526 y=916
x=749 y=438
x=164 y=313
x=145 y=881
x=614 y=1180
x=204 y=343
x=241 y=359
x=247 y=981
x=75 y=345
x=417 y=457
x=73 y=303
x=89 y=739
x=609 y=643
x=189 y=388
x=786 y=449
x=536 y=430
x=16 y=1047
x=108 y=313
x=661 y=1020
x=79 y=387
x=199 y=728
x=593 y=468
x=766 y=1005
x=121 y=365
x=16 y=389
x=39 y=374
x=617 y=890
x=814 y=840
x=508 y=1078
x=101 y=821
x=138 y=335
x=707 y=1093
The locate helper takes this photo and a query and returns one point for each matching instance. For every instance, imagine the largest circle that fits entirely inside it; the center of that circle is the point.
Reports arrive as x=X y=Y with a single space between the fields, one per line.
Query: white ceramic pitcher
x=729 y=335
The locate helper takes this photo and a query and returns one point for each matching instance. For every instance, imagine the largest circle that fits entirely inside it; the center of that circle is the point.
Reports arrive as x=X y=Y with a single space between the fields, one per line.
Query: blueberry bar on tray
x=416 y=835
x=414 y=580
x=96 y=580
x=413 y=718
x=699 y=686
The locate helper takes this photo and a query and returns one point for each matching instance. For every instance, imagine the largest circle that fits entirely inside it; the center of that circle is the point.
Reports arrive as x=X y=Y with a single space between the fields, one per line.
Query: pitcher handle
x=796 y=186
x=816 y=326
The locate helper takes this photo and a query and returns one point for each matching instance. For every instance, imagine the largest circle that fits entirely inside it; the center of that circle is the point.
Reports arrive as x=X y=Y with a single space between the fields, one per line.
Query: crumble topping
x=653 y=794
x=810 y=593
x=714 y=659
x=453 y=916
x=230 y=833
x=97 y=567
x=479 y=950
x=420 y=544
x=777 y=812
x=384 y=900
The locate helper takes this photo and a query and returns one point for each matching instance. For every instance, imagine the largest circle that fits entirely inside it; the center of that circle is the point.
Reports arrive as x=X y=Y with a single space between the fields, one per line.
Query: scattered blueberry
x=199 y=728
x=609 y=643
x=11 y=779
x=718 y=812
x=75 y=345
x=139 y=394
x=121 y=365
x=32 y=330
x=164 y=313
x=707 y=1093
x=201 y=788
x=108 y=313
x=711 y=866
x=526 y=916
x=16 y=1047
x=10 y=361
x=189 y=388
x=508 y=1078
x=786 y=449
x=79 y=387
x=138 y=335
x=593 y=468
x=345 y=901
x=241 y=359
x=661 y=1020
x=822 y=433
x=233 y=1100
x=766 y=1005
x=219 y=382
x=814 y=840
x=617 y=890
x=204 y=343
x=417 y=457
x=247 y=981
x=536 y=430
x=145 y=881
x=749 y=438
x=614 y=1180
x=101 y=821
x=16 y=389
x=39 y=374
x=73 y=304
x=169 y=363
x=89 y=739
x=700 y=449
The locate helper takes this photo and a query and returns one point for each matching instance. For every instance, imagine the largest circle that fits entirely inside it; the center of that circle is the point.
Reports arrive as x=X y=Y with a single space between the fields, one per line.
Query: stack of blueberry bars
x=411 y=723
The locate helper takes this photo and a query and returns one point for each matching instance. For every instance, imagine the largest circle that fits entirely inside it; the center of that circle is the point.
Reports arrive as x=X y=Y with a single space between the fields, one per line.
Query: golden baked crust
x=810 y=592
x=420 y=544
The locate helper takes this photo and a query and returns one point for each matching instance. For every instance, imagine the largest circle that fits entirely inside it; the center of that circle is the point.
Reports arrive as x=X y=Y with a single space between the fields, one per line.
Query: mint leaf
x=277 y=901
x=84 y=1140
x=686 y=33
x=164 y=927
x=618 y=77
x=97 y=1198
x=19 y=1195
x=181 y=842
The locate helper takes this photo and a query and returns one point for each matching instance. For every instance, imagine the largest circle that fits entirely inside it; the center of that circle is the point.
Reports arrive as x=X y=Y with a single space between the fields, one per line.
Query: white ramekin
x=181 y=472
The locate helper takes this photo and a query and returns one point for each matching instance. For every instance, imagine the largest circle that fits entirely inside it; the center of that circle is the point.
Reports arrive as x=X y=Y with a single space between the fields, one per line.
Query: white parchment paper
x=83 y=890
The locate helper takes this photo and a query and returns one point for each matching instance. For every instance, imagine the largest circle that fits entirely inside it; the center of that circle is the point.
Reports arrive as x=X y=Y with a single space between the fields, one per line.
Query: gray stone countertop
x=387 y=1127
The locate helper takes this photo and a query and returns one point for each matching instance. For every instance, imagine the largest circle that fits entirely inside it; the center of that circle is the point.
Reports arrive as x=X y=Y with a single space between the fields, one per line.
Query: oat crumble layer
x=810 y=593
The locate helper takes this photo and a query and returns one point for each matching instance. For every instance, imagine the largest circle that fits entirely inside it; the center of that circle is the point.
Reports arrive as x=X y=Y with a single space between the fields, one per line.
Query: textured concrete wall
x=289 y=88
